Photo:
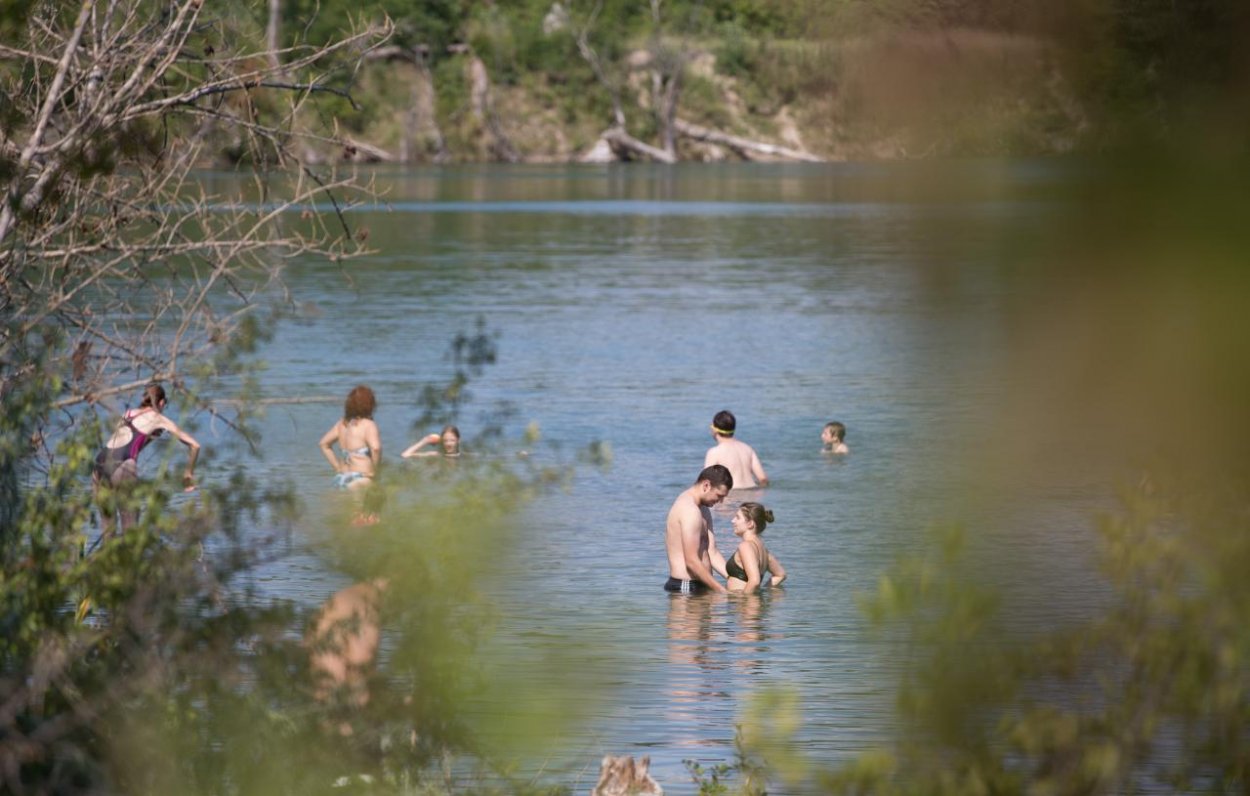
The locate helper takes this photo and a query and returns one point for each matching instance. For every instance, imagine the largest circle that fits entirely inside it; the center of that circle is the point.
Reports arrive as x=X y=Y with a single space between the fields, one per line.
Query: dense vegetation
x=843 y=79
x=146 y=665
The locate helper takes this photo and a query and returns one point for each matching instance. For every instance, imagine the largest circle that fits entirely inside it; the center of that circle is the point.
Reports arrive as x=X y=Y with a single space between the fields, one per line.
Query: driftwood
x=743 y=146
x=626 y=147
x=301 y=399
x=417 y=54
x=361 y=152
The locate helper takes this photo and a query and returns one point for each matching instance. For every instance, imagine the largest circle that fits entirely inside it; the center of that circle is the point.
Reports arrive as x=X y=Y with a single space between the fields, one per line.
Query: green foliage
x=747 y=774
x=156 y=669
x=1154 y=686
x=766 y=18
x=432 y=24
x=772 y=73
x=469 y=356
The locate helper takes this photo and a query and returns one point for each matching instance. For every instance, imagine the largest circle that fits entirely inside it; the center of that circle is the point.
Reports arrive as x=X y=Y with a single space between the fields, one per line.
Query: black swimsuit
x=734 y=569
x=108 y=460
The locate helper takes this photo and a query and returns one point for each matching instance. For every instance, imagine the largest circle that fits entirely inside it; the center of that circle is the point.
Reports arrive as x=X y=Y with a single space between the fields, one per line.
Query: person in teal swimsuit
x=746 y=568
x=359 y=443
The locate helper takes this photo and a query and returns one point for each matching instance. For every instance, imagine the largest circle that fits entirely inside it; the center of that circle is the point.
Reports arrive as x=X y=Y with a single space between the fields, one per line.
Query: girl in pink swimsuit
x=116 y=465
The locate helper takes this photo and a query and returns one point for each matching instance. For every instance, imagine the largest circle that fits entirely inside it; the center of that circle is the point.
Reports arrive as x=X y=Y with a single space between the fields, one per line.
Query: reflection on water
x=753 y=634
x=694 y=662
x=716 y=646
x=792 y=295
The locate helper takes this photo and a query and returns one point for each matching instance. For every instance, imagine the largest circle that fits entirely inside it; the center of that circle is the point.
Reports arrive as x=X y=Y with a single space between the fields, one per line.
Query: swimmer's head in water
x=833 y=432
x=757 y=514
x=450 y=438
x=724 y=423
x=154 y=396
x=360 y=403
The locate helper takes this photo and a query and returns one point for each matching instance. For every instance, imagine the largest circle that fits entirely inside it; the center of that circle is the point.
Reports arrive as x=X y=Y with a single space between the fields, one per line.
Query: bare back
x=740 y=459
x=357 y=436
x=344 y=641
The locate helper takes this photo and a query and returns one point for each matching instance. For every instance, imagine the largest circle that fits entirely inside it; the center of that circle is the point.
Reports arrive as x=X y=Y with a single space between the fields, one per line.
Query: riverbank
x=907 y=96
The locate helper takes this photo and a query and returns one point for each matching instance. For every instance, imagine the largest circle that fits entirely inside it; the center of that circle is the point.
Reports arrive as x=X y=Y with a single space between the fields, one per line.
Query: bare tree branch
x=117 y=264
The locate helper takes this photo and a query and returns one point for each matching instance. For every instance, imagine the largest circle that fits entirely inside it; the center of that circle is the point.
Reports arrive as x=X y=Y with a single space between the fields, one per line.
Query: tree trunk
x=483 y=109
x=743 y=146
x=273 y=32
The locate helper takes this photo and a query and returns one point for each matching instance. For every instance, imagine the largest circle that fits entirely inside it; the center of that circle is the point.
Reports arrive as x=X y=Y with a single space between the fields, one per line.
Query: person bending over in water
x=357 y=437
x=746 y=568
x=449 y=439
x=116 y=466
x=832 y=436
x=688 y=539
x=734 y=454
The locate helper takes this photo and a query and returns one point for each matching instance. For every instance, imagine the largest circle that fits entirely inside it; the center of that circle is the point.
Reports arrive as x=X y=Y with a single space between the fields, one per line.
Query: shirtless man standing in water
x=692 y=553
x=738 y=456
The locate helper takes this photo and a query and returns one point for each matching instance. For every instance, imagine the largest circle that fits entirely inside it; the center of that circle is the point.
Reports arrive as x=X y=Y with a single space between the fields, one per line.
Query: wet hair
x=757 y=514
x=153 y=395
x=839 y=430
x=716 y=475
x=724 y=423
x=360 y=403
x=449 y=429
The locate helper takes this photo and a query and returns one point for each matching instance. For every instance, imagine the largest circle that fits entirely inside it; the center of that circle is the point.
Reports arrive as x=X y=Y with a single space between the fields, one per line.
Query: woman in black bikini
x=116 y=465
x=745 y=569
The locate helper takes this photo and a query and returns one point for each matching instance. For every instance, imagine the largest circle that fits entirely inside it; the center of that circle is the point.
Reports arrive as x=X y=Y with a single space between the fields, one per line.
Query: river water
x=631 y=304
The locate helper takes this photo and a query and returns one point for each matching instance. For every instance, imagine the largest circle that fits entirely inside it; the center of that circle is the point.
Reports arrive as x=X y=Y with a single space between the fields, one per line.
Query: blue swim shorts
x=343 y=480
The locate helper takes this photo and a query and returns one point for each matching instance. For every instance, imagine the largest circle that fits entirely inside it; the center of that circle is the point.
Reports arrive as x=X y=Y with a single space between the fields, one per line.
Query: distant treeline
x=839 y=79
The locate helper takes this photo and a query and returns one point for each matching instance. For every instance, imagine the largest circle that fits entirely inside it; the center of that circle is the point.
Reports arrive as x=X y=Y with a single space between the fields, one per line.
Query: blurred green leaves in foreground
x=1126 y=375
x=151 y=662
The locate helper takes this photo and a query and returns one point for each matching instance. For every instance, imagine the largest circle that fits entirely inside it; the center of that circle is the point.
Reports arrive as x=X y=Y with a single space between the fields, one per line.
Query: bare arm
x=412 y=450
x=327 y=440
x=374 y=440
x=775 y=567
x=713 y=553
x=750 y=558
x=691 y=530
x=757 y=470
x=193 y=449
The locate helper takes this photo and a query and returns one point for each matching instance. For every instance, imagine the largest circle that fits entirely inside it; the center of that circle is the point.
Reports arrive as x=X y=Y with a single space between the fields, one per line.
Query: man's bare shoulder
x=684 y=507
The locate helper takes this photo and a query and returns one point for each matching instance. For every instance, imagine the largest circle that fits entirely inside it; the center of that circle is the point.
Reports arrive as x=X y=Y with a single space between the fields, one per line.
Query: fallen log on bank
x=363 y=152
x=745 y=147
x=626 y=147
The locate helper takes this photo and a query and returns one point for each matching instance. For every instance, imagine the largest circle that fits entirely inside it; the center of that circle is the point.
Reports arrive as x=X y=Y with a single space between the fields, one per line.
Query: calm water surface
x=632 y=303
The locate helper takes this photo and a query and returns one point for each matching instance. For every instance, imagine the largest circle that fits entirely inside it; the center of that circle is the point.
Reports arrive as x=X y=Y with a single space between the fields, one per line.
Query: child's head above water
x=833 y=432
